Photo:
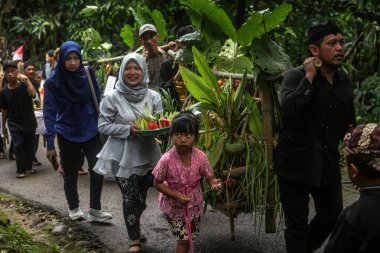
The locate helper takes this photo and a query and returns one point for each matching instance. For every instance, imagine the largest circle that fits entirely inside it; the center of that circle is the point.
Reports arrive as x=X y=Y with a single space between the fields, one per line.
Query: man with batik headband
x=317 y=109
x=358 y=227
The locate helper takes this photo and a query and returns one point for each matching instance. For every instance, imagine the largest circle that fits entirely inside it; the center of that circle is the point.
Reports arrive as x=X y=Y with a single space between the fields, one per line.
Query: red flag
x=17 y=56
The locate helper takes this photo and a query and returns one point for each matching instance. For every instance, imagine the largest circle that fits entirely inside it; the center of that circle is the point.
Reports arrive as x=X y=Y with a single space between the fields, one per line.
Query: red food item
x=236 y=83
x=152 y=126
x=220 y=82
x=165 y=122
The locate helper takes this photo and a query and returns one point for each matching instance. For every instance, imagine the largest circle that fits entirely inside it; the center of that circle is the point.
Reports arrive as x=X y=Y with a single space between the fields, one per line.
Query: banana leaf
x=206 y=73
x=198 y=88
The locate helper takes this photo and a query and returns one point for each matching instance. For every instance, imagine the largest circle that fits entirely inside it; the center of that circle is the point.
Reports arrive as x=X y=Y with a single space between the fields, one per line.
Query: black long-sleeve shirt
x=316 y=117
x=358 y=226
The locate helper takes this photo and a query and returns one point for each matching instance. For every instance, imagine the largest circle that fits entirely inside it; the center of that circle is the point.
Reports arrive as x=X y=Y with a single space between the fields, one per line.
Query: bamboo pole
x=267 y=112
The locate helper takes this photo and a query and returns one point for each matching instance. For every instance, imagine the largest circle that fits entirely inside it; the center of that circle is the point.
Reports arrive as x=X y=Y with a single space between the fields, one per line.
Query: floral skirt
x=178 y=228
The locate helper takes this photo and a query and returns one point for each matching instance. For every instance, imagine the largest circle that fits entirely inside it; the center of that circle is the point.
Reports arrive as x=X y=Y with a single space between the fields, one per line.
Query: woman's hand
x=134 y=130
x=50 y=154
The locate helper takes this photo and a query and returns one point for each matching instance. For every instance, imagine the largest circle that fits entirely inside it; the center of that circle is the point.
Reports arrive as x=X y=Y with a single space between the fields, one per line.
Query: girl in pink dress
x=177 y=177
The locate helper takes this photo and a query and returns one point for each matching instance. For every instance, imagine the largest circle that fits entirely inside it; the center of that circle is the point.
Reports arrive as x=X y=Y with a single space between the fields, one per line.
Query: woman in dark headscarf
x=69 y=112
x=127 y=156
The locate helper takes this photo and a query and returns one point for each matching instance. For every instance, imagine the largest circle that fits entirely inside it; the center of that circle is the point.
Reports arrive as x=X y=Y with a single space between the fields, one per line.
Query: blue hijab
x=73 y=86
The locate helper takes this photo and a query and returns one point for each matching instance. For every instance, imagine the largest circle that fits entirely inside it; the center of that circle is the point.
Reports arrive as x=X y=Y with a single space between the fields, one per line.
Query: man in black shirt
x=17 y=108
x=317 y=109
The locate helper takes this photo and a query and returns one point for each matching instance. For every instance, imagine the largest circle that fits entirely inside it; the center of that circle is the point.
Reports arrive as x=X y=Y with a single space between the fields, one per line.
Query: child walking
x=177 y=177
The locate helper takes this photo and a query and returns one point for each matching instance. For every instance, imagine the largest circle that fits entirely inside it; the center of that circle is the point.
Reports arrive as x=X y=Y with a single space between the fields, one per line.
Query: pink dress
x=185 y=180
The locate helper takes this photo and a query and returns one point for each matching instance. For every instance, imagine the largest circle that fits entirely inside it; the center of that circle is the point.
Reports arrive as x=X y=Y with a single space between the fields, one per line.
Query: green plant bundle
x=232 y=134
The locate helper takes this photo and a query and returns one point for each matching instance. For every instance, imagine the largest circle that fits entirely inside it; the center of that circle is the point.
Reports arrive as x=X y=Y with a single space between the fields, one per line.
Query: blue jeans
x=70 y=153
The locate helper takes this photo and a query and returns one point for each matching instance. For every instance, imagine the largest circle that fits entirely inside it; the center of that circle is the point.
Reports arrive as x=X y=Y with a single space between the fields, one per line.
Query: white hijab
x=133 y=94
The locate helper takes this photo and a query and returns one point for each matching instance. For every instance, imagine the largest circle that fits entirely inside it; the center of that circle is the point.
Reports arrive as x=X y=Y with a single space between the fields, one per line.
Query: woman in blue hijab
x=70 y=114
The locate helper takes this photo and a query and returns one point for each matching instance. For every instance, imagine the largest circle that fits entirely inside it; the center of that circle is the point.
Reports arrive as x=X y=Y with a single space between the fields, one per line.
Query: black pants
x=134 y=190
x=1 y=144
x=301 y=236
x=23 y=143
x=70 y=153
x=35 y=147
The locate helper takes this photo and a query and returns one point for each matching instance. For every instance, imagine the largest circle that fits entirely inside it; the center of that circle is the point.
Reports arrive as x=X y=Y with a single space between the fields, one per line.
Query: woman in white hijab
x=126 y=155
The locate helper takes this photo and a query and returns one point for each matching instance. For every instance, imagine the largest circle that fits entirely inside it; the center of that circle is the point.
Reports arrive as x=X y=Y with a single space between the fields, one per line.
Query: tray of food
x=155 y=132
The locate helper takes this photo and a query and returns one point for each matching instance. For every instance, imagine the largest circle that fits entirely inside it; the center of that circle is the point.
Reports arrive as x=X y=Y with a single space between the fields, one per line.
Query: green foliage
x=207 y=16
x=261 y=22
x=367 y=100
x=15 y=239
x=231 y=59
x=270 y=57
x=127 y=35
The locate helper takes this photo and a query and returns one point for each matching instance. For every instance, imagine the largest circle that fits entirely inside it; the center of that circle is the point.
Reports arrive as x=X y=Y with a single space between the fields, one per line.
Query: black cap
x=7 y=64
x=319 y=31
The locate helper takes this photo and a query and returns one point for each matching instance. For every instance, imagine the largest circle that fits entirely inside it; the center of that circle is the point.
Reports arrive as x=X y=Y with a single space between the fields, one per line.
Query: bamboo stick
x=234 y=172
x=267 y=112
x=232 y=75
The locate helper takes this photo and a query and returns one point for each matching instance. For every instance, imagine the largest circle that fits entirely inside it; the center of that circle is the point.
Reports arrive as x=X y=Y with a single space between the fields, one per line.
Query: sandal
x=30 y=171
x=135 y=245
x=142 y=236
x=82 y=171
x=20 y=175
x=1 y=155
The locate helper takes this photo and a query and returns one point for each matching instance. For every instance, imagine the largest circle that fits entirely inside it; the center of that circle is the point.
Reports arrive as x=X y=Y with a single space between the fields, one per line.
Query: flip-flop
x=135 y=245
x=20 y=175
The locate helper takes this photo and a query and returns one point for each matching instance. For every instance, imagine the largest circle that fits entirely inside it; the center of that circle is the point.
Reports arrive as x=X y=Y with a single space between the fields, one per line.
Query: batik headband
x=364 y=141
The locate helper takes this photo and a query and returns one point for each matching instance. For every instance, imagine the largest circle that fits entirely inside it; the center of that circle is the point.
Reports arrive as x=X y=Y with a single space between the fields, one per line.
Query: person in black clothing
x=317 y=110
x=358 y=226
x=17 y=108
x=30 y=72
